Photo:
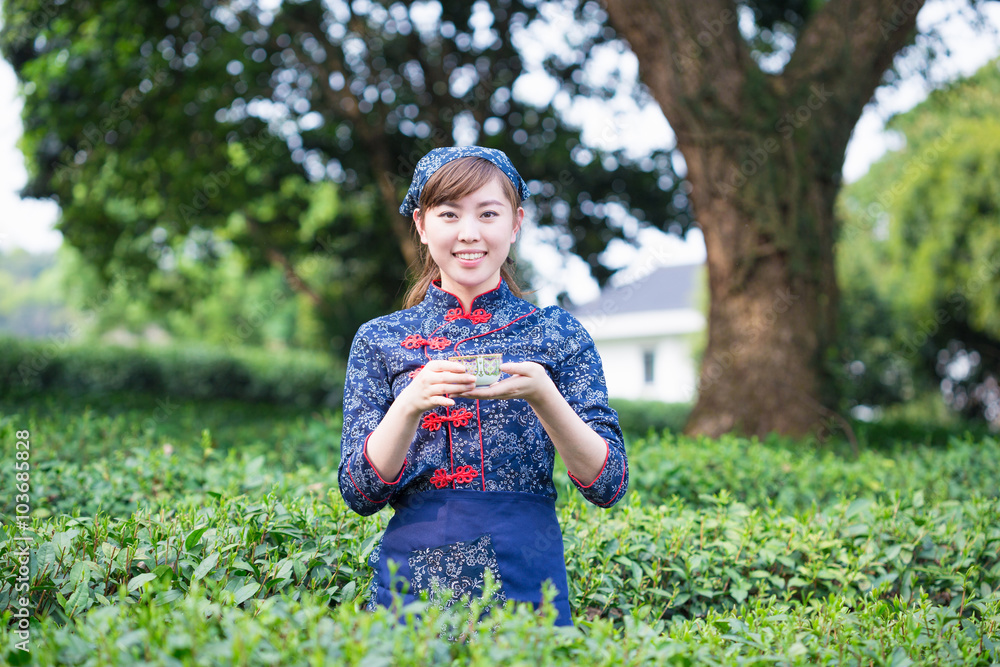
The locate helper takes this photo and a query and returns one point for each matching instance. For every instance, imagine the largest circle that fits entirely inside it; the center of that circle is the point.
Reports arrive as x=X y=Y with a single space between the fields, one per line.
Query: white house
x=644 y=332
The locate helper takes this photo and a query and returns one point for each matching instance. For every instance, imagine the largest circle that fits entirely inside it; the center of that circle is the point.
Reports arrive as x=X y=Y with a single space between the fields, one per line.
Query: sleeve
x=367 y=396
x=580 y=379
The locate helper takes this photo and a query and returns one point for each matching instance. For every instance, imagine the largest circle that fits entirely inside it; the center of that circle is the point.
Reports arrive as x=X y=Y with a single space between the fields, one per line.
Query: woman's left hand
x=528 y=380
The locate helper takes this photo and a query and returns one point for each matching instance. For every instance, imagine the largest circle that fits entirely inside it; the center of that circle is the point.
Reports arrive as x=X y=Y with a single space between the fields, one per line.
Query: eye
x=490 y=214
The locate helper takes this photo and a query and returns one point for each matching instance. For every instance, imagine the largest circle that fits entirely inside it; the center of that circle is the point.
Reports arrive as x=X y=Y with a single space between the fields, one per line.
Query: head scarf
x=438 y=157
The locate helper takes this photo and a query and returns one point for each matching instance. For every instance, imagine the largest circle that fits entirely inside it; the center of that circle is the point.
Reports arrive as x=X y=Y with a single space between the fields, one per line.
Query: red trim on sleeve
x=606 y=457
x=614 y=497
x=349 y=474
x=364 y=452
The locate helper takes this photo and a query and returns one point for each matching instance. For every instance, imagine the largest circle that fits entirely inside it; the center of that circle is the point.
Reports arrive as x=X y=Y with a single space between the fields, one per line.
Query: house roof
x=667 y=288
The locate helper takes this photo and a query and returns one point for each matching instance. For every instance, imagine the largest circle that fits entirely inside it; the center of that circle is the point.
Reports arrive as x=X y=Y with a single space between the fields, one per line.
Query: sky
x=29 y=224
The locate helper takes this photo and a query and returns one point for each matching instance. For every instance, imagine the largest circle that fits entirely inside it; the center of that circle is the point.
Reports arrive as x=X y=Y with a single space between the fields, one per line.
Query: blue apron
x=452 y=536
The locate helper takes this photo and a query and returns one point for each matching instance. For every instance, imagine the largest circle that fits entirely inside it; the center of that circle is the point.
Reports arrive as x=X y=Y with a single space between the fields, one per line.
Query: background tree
x=171 y=133
x=763 y=97
x=920 y=257
x=30 y=302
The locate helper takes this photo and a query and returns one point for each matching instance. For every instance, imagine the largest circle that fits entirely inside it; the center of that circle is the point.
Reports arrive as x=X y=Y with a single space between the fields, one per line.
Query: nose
x=468 y=229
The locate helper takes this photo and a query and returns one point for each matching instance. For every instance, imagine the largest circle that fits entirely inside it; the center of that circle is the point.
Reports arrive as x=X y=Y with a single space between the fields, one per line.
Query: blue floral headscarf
x=438 y=157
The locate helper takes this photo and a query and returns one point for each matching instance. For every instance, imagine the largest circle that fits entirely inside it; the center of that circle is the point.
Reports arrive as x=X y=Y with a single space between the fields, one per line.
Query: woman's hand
x=429 y=387
x=387 y=445
x=580 y=447
x=528 y=380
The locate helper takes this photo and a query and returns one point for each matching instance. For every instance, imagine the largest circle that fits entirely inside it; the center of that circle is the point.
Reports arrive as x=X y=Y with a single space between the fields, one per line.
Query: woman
x=469 y=470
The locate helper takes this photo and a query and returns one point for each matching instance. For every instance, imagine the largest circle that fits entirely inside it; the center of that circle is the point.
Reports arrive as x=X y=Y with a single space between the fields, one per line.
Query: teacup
x=486 y=367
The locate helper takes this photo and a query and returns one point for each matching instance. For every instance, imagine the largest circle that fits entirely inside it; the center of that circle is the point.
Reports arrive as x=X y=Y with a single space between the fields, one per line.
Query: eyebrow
x=488 y=202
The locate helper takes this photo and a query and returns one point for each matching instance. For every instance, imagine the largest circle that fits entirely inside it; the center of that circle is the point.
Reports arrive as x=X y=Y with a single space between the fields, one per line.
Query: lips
x=470 y=256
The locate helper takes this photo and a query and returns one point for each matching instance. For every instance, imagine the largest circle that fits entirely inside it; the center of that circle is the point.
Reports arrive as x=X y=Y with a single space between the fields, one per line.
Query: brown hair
x=451 y=182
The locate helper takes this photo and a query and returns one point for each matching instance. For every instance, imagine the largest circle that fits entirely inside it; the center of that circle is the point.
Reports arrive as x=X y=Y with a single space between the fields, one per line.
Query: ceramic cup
x=486 y=367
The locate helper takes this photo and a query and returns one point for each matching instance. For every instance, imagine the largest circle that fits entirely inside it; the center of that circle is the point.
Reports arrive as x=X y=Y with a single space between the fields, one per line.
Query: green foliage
x=202 y=547
x=99 y=425
x=179 y=371
x=920 y=253
x=640 y=417
x=206 y=628
x=796 y=478
x=51 y=295
x=171 y=133
x=30 y=299
x=666 y=560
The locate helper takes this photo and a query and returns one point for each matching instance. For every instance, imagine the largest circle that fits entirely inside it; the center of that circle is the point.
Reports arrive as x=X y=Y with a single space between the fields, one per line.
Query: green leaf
x=193 y=537
x=17 y=657
x=205 y=566
x=240 y=564
x=284 y=569
x=368 y=545
x=166 y=597
x=855 y=530
x=80 y=595
x=141 y=579
x=348 y=592
x=299 y=568
x=860 y=506
x=245 y=592
x=45 y=555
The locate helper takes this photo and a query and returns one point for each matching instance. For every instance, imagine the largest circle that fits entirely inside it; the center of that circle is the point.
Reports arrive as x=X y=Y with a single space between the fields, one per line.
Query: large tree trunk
x=764 y=155
x=772 y=308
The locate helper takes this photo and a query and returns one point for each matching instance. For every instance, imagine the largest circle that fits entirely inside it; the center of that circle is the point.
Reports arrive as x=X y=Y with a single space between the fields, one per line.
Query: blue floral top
x=487 y=445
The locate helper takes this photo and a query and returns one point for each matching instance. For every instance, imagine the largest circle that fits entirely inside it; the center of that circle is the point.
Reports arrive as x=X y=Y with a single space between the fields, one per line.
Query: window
x=648 y=360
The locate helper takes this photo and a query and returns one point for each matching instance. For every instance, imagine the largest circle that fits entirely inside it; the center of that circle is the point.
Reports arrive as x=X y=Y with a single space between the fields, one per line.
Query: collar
x=439 y=299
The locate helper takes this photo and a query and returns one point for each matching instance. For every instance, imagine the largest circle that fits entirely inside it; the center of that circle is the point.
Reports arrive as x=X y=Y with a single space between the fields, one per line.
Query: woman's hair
x=453 y=181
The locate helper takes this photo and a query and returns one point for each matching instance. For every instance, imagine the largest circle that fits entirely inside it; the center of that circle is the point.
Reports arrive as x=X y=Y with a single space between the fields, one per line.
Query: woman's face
x=469 y=239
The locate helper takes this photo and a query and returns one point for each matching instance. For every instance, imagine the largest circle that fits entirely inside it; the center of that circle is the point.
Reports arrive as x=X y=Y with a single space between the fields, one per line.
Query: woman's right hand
x=431 y=385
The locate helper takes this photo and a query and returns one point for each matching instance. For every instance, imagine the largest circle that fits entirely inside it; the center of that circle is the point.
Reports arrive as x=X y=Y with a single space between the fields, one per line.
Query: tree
x=920 y=256
x=764 y=147
x=30 y=304
x=170 y=132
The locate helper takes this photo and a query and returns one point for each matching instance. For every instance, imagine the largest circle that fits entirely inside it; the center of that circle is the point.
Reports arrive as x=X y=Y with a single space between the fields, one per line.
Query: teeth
x=469 y=255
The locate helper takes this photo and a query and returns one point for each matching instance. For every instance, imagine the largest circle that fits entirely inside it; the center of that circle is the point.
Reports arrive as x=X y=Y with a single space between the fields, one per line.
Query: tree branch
x=370 y=134
x=280 y=259
x=694 y=59
x=849 y=44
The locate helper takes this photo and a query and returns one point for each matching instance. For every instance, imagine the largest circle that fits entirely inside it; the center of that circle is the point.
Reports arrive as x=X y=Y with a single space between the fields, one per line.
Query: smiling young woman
x=469 y=238
x=453 y=182
x=467 y=469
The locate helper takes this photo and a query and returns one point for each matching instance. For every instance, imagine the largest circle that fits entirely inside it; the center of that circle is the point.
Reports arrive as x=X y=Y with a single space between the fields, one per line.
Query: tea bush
x=209 y=628
x=207 y=537
x=641 y=417
x=32 y=368
x=794 y=476
x=83 y=428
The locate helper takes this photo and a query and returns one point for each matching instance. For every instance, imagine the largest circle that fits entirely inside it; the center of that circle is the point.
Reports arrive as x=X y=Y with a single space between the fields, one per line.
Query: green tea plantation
x=211 y=532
